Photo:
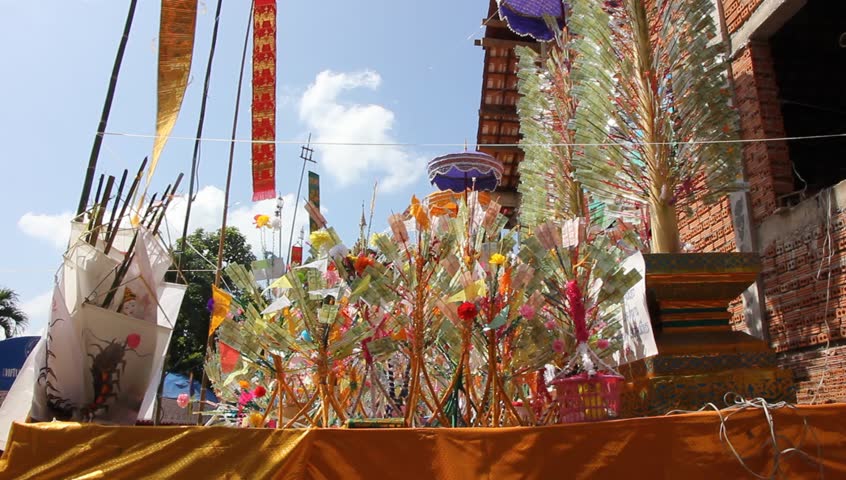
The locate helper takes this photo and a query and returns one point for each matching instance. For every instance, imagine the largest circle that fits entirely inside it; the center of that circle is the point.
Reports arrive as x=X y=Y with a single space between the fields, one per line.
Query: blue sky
x=366 y=71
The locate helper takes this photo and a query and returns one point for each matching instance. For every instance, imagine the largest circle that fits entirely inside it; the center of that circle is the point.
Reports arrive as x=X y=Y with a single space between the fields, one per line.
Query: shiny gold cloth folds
x=176 y=48
x=673 y=447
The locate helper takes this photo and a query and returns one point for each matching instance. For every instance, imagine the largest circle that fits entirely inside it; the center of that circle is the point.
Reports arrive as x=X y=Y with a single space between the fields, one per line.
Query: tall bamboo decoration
x=653 y=99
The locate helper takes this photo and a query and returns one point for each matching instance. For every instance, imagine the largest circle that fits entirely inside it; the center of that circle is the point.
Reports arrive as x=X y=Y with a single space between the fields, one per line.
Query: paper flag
x=277 y=305
x=228 y=357
x=222 y=301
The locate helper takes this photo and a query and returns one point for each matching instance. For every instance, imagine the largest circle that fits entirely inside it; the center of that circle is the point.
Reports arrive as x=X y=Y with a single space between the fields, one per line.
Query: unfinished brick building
x=788 y=61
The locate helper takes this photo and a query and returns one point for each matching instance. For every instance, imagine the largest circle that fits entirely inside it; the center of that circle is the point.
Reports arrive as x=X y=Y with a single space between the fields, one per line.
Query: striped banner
x=314 y=198
x=264 y=100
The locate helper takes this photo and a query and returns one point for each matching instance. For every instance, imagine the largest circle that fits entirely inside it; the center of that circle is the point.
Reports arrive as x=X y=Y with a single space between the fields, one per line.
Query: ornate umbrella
x=526 y=17
x=460 y=171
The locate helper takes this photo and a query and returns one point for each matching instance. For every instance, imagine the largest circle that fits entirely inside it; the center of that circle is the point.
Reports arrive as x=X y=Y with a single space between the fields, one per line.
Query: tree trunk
x=664 y=224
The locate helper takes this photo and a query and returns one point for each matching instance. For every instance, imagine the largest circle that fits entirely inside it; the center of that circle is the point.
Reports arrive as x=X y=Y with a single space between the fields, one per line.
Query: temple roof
x=499 y=126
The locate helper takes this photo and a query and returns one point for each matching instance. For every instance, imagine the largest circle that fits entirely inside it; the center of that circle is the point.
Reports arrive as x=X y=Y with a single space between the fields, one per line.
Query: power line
x=462 y=144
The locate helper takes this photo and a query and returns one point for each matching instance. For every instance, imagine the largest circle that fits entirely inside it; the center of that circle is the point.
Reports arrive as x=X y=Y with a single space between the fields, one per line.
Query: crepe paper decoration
x=418 y=211
x=315 y=215
x=458 y=172
x=264 y=100
x=261 y=221
x=314 y=198
x=229 y=357
x=572 y=232
x=222 y=302
x=398 y=228
x=531 y=17
x=577 y=310
x=176 y=48
x=548 y=235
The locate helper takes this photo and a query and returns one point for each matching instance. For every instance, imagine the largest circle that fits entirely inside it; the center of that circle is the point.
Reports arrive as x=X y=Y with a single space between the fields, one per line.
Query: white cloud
x=333 y=121
x=206 y=213
x=54 y=229
x=37 y=310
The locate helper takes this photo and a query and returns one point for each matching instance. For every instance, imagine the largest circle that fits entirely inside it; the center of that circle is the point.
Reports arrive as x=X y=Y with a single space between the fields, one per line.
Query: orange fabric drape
x=674 y=447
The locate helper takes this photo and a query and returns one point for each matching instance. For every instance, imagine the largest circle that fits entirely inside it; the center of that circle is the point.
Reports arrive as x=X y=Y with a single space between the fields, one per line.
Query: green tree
x=12 y=319
x=199 y=258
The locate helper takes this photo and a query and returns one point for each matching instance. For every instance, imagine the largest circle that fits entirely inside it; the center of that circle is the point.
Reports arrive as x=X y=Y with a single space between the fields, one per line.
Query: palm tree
x=12 y=319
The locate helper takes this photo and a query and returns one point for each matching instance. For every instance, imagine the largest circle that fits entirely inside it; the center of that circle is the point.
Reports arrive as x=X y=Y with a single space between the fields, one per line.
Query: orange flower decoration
x=361 y=264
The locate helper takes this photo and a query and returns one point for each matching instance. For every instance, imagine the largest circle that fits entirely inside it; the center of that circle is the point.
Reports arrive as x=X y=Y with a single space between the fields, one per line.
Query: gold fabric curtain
x=680 y=446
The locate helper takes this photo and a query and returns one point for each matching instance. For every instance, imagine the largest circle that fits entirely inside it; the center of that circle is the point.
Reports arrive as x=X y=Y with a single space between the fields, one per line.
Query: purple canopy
x=460 y=171
x=526 y=17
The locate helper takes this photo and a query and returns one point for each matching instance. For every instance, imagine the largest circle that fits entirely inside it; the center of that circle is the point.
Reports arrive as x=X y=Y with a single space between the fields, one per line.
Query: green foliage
x=12 y=319
x=198 y=261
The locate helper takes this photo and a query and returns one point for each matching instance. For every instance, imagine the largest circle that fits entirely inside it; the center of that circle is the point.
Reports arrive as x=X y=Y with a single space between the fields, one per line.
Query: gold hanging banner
x=264 y=100
x=176 y=48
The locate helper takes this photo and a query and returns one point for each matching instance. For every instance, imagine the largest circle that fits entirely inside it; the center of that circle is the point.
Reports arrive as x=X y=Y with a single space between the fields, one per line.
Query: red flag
x=228 y=357
x=296 y=255
x=264 y=100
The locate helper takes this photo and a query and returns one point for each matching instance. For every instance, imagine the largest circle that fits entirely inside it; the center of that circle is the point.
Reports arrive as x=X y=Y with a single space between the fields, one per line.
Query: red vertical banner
x=296 y=255
x=264 y=100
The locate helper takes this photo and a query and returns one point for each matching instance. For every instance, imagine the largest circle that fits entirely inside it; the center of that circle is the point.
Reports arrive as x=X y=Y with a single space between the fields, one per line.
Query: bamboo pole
x=195 y=160
x=217 y=273
x=107 y=108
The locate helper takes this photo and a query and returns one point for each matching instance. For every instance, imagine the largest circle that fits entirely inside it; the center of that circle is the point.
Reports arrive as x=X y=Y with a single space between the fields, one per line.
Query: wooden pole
x=217 y=273
x=107 y=108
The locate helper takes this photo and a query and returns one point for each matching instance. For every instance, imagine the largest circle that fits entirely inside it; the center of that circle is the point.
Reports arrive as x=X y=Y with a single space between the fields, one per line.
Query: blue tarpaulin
x=13 y=353
x=176 y=383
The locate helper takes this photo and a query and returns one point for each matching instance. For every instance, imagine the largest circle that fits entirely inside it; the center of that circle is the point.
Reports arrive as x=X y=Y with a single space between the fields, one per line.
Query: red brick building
x=788 y=60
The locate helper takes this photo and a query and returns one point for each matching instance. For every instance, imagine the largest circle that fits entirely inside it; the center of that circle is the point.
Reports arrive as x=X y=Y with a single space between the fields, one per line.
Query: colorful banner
x=176 y=47
x=314 y=198
x=264 y=100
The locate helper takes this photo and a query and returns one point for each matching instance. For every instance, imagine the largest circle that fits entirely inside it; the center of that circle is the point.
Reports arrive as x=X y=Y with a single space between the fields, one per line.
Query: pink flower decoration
x=182 y=400
x=602 y=343
x=558 y=346
x=133 y=340
x=331 y=277
x=245 y=398
x=550 y=324
x=527 y=311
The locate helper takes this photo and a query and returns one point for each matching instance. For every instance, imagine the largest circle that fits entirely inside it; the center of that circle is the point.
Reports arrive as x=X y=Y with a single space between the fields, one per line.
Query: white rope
x=741 y=404
x=462 y=144
x=826 y=244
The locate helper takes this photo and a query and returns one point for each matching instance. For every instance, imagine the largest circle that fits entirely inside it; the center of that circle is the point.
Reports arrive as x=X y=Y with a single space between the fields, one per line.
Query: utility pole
x=306 y=154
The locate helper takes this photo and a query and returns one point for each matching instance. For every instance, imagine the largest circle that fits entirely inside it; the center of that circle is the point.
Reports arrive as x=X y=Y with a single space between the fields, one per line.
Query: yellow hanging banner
x=176 y=48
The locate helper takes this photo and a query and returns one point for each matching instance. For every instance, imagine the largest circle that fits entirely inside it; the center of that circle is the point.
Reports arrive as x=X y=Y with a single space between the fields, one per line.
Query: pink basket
x=588 y=399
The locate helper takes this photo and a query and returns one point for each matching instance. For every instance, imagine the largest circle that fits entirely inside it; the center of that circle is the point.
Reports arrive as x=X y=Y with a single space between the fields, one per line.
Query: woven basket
x=583 y=398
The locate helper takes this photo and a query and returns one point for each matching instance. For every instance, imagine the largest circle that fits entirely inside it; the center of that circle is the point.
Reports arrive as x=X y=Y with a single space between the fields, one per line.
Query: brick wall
x=808 y=368
x=804 y=280
x=737 y=12
x=710 y=229
x=767 y=165
x=803 y=250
